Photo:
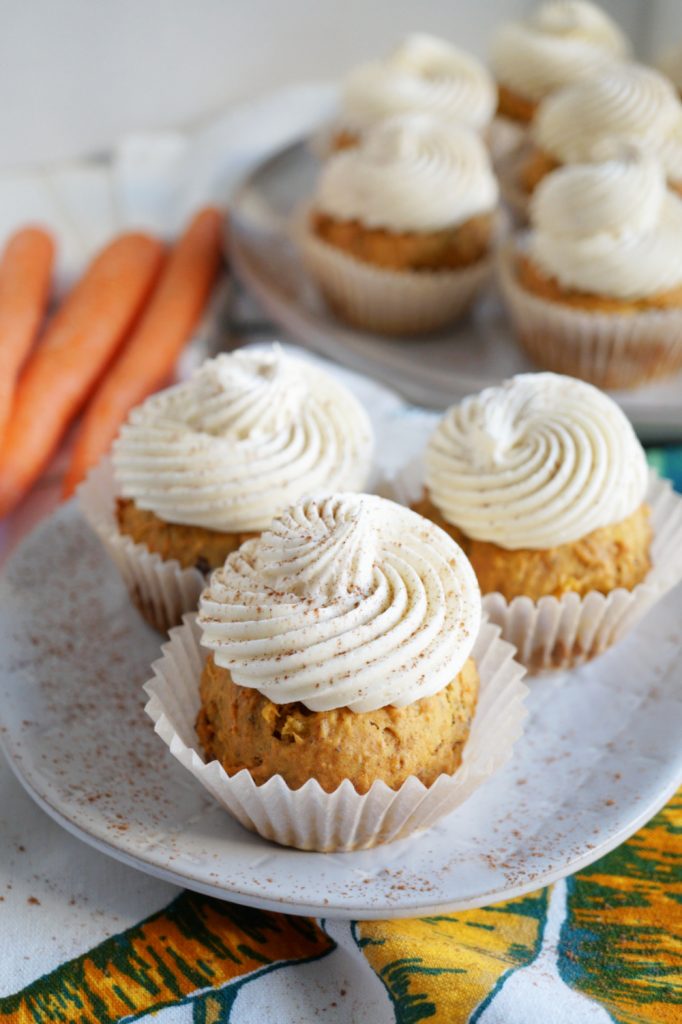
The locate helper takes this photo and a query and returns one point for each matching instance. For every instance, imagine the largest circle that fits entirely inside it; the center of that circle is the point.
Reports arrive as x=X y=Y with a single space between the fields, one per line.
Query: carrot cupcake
x=558 y=44
x=334 y=653
x=424 y=75
x=544 y=484
x=344 y=648
x=401 y=227
x=542 y=481
x=627 y=102
x=595 y=288
x=204 y=465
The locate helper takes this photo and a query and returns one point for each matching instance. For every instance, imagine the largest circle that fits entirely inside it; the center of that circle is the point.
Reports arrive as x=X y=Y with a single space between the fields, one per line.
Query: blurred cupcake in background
x=630 y=102
x=401 y=228
x=594 y=289
x=558 y=44
x=423 y=75
x=544 y=485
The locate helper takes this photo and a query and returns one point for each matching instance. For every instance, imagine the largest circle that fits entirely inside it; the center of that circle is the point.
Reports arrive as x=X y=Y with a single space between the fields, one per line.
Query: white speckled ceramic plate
x=434 y=370
x=600 y=754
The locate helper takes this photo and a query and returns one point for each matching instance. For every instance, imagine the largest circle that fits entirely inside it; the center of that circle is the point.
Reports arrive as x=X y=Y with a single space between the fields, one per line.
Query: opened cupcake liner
x=388 y=301
x=610 y=350
x=162 y=590
x=309 y=818
x=560 y=633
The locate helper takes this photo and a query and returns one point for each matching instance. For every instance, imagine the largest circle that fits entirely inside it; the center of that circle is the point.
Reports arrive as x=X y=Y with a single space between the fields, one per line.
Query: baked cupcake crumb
x=514 y=106
x=535 y=280
x=536 y=167
x=605 y=559
x=195 y=546
x=447 y=249
x=243 y=729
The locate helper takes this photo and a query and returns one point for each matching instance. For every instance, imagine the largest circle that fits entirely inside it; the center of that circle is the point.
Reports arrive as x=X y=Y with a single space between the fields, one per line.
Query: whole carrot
x=150 y=353
x=77 y=345
x=25 y=270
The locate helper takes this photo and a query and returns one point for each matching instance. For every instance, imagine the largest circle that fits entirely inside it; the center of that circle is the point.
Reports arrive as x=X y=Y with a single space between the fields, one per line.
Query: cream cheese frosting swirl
x=540 y=461
x=629 y=102
x=346 y=601
x=423 y=75
x=247 y=435
x=560 y=43
x=609 y=229
x=410 y=173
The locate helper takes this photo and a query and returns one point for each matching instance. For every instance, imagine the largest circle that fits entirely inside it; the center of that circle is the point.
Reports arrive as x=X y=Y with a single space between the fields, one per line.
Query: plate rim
x=347 y=911
x=351 y=908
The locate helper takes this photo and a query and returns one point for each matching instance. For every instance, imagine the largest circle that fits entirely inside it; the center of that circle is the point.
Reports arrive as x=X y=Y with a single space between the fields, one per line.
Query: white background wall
x=77 y=74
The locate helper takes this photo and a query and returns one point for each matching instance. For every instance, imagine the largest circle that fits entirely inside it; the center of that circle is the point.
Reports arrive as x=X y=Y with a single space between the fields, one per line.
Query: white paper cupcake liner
x=162 y=590
x=559 y=633
x=508 y=167
x=309 y=818
x=388 y=301
x=607 y=349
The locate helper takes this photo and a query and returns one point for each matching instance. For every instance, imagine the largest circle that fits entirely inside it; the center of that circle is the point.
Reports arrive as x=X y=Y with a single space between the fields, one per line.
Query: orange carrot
x=149 y=355
x=77 y=346
x=25 y=270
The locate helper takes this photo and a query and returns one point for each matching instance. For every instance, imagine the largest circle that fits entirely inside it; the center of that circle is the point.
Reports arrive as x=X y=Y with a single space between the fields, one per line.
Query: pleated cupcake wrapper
x=162 y=590
x=508 y=167
x=388 y=301
x=607 y=349
x=559 y=633
x=309 y=818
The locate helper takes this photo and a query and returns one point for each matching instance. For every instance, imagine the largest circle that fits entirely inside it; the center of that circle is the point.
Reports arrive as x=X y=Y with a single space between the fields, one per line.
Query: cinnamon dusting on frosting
x=346 y=601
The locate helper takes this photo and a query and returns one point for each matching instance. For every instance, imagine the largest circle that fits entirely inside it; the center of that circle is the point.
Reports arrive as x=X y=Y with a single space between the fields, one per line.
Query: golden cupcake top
x=539 y=461
x=559 y=43
x=611 y=229
x=345 y=601
x=626 y=102
x=247 y=435
x=422 y=75
x=414 y=172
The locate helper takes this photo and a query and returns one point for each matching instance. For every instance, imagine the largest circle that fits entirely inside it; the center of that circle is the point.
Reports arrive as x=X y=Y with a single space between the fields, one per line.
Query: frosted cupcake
x=544 y=484
x=349 y=617
x=626 y=102
x=401 y=227
x=595 y=288
x=542 y=481
x=346 y=656
x=424 y=75
x=558 y=44
x=203 y=466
